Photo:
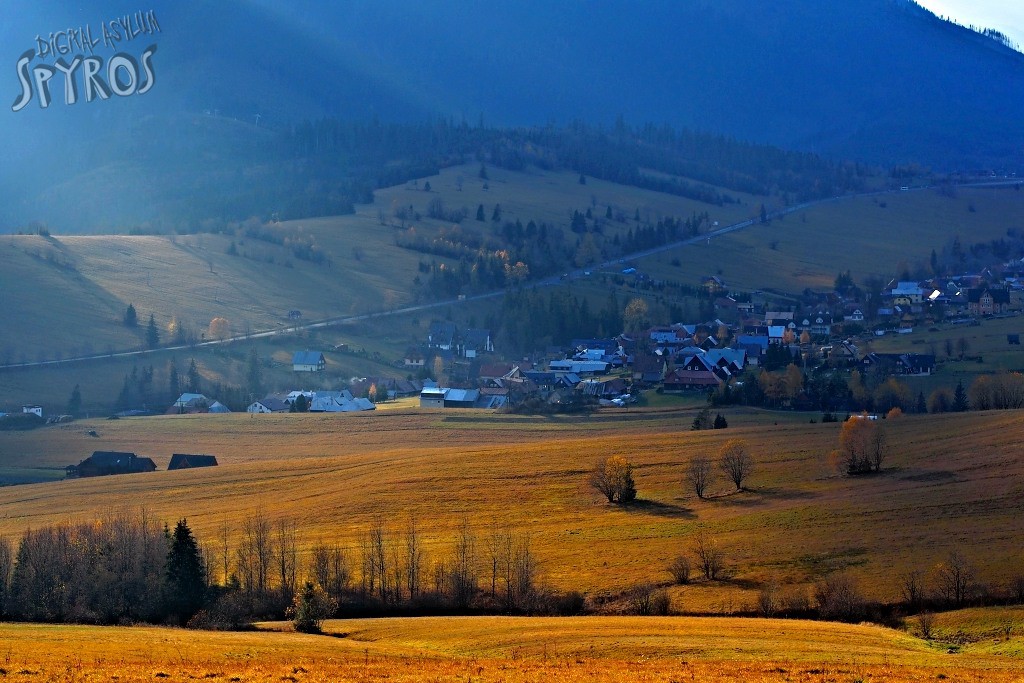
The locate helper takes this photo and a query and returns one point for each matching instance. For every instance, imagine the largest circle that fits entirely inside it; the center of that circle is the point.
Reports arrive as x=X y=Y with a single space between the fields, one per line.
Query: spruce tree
x=131 y=318
x=960 y=403
x=74 y=404
x=152 y=333
x=185 y=580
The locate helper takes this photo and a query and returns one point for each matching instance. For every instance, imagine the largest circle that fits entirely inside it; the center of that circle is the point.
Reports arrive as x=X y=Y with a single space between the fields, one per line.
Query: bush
x=661 y=603
x=839 y=598
x=310 y=608
x=680 y=569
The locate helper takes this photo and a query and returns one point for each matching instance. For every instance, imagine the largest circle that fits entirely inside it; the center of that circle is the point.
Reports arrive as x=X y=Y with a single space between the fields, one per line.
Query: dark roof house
x=102 y=463
x=185 y=461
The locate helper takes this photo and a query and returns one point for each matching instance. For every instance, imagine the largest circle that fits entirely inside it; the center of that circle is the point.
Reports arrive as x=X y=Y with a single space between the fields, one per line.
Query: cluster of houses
x=315 y=402
x=104 y=463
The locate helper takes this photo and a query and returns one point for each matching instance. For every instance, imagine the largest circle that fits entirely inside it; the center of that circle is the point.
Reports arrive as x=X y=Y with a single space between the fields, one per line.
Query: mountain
x=879 y=81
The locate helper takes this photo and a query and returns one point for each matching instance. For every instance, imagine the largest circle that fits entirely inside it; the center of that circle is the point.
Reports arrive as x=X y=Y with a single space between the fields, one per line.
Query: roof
x=184 y=461
x=189 y=399
x=462 y=395
x=307 y=358
x=111 y=458
x=692 y=378
x=441 y=332
x=475 y=338
x=273 y=404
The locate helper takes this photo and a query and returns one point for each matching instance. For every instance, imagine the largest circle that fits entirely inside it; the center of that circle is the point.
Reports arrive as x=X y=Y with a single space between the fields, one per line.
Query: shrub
x=839 y=598
x=310 y=608
x=613 y=477
x=680 y=569
x=661 y=603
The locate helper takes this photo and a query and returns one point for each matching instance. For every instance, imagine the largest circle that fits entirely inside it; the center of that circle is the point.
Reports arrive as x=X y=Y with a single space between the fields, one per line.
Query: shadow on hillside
x=760 y=496
x=655 y=507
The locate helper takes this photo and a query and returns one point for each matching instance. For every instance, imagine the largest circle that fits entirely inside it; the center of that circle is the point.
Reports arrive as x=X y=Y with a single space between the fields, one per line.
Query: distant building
x=185 y=461
x=34 y=410
x=308 y=361
x=103 y=463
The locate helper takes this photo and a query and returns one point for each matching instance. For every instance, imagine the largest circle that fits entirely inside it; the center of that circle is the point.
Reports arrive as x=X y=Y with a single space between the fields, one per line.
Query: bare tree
x=413 y=558
x=464 y=573
x=709 y=556
x=286 y=559
x=735 y=461
x=912 y=589
x=680 y=569
x=331 y=569
x=224 y=537
x=955 y=579
x=698 y=475
x=255 y=553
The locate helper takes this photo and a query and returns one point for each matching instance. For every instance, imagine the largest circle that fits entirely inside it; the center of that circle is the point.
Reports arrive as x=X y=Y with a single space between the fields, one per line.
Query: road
x=546 y=282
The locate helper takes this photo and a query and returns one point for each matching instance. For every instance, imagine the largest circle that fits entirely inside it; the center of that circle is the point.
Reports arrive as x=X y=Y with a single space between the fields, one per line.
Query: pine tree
x=173 y=382
x=480 y=216
x=193 y=378
x=185 y=580
x=152 y=333
x=75 y=402
x=496 y=215
x=960 y=403
x=131 y=319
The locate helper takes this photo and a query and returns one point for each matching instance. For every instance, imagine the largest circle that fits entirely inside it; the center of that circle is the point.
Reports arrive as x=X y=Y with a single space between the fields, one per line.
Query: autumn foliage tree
x=862 y=445
x=219 y=328
x=613 y=477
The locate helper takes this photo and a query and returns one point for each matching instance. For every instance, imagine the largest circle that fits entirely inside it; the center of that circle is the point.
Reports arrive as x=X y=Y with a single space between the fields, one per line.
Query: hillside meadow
x=949 y=483
x=869 y=236
x=512 y=650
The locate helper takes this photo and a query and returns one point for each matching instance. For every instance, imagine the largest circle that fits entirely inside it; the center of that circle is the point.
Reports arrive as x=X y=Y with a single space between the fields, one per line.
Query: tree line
x=128 y=568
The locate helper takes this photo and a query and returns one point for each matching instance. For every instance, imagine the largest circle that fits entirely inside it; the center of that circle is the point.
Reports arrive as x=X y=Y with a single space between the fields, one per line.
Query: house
x=442 y=335
x=308 y=361
x=476 y=342
x=103 y=463
x=461 y=398
x=414 y=358
x=33 y=410
x=191 y=403
x=906 y=293
x=680 y=379
x=185 y=461
x=712 y=284
x=492 y=398
x=578 y=367
x=648 y=369
x=295 y=314
x=269 y=404
x=988 y=301
x=432 y=397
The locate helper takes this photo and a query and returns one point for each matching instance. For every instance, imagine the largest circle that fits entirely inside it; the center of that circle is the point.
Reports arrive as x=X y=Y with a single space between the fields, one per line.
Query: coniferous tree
x=131 y=318
x=185 y=580
x=75 y=402
x=480 y=213
x=960 y=403
x=194 y=384
x=152 y=333
x=173 y=381
x=254 y=375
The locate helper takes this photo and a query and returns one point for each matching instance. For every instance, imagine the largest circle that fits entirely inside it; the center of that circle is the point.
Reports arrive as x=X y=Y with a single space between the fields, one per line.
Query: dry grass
x=497 y=649
x=950 y=482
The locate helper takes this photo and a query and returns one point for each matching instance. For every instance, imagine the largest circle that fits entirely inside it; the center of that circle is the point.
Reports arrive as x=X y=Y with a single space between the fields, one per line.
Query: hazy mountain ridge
x=881 y=81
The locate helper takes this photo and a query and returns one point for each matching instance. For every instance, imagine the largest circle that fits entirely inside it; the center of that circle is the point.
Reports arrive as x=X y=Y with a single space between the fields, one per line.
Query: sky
x=1006 y=16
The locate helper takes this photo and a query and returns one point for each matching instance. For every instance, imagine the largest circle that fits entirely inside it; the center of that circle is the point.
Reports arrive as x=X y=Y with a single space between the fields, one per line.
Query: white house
x=308 y=361
x=270 y=404
x=35 y=410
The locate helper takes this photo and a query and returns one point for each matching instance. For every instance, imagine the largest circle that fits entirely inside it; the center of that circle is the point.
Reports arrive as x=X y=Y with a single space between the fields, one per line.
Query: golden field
x=496 y=649
x=950 y=482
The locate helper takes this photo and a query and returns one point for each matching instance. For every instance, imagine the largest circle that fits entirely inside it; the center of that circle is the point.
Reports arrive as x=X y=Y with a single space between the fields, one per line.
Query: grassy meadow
x=500 y=649
x=950 y=482
x=808 y=248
